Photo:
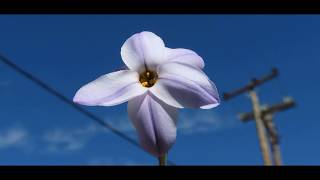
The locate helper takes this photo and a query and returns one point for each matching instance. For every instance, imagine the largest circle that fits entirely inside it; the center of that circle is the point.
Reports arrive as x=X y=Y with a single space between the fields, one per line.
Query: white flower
x=159 y=80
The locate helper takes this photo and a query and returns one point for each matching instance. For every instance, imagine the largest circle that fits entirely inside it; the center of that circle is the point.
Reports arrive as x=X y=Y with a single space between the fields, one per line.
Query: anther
x=148 y=79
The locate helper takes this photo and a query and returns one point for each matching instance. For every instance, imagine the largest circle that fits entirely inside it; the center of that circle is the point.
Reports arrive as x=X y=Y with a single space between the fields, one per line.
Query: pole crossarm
x=287 y=103
x=254 y=82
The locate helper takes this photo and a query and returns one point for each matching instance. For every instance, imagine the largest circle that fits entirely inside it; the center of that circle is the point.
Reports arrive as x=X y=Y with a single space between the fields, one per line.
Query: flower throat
x=148 y=78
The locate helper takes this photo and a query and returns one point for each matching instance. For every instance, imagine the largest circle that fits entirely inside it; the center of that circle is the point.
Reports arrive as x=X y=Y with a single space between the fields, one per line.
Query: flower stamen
x=148 y=78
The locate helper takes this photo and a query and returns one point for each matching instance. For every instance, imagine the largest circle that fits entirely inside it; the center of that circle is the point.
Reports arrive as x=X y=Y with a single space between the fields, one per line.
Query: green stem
x=163 y=160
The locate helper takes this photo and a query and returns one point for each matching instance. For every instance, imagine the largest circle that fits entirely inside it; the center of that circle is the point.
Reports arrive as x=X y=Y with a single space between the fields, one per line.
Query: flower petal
x=141 y=50
x=185 y=86
x=184 y=56
x=110 y=89
x=155 y=122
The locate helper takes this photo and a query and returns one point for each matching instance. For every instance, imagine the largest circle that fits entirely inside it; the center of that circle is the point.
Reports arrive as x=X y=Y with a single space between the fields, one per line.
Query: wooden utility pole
x=274 y=139
x=267 y=116
x=261 y=130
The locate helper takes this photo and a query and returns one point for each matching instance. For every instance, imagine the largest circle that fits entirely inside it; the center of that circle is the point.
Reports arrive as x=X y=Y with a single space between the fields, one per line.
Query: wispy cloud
x=5 y=83
x=13 y=137
x=190 y=122
x=64 y=139
x=122 y=123
x=202 y=121
x=69 y=139
x=112 y=161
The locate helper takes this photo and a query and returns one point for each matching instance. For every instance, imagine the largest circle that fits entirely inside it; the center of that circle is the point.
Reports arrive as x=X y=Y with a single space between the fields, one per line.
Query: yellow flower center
x=148 y=78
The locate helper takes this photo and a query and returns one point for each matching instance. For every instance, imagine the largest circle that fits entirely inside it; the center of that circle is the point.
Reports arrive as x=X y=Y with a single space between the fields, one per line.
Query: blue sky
x=67 y=51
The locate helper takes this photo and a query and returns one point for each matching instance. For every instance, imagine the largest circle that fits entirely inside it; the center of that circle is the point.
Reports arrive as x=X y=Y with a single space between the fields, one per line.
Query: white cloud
x=189 y=122
x=5 y=83
x=122 y=123
x=112 y=161
x=70 y=139
x=13 y=137
x=201 y=121
x=63 y=139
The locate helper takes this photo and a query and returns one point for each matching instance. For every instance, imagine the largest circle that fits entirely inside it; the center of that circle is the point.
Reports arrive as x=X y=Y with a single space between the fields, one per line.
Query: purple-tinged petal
x=141 y=50
x=185 y=86
x=184 y=56
x=155 y=122
x=110 y=89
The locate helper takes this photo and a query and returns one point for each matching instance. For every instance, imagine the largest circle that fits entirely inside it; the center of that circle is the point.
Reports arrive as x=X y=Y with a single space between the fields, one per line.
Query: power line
x=63 y=98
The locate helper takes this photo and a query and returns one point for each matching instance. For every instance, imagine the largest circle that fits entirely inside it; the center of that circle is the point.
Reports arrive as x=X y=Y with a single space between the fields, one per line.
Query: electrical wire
x=63 y=98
